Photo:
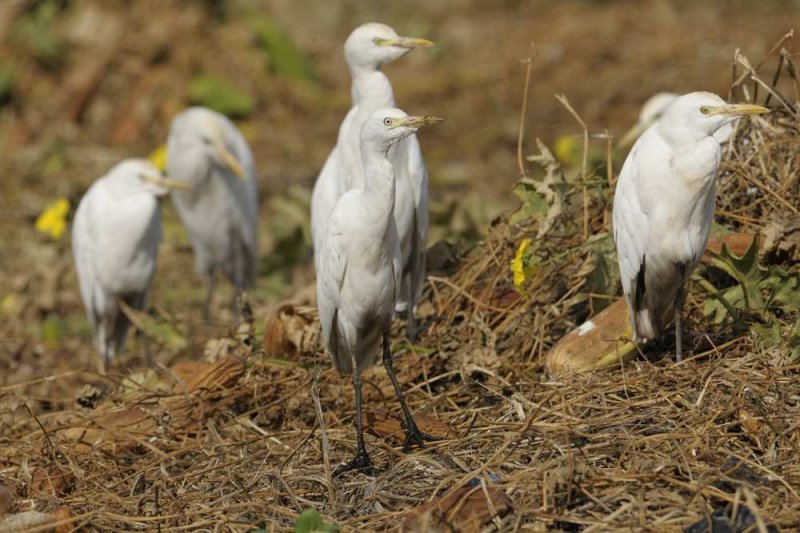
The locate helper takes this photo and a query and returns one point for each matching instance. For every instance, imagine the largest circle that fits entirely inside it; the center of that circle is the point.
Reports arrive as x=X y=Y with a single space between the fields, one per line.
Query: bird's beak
x=230 y=162
x=738 y=110
x=406 y=42
x=165 y=182
x=418 y=122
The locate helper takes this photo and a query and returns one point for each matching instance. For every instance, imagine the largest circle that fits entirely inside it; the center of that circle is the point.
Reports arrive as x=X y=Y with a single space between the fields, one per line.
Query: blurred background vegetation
x=84 y=83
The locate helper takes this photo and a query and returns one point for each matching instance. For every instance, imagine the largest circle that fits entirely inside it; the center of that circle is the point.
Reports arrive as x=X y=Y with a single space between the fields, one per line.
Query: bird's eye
x=387 y=121
x=378 y=41
x=705 y=109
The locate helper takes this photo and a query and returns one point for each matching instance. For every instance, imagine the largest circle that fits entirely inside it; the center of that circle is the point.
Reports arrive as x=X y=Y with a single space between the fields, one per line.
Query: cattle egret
x=368 y=48
x=220 y=209
x=652 y=111
x=115 y=238
x=359 y=269
x=664 y=207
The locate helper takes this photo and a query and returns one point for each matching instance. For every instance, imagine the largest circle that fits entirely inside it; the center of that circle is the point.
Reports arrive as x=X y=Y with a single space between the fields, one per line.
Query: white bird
x=652 y=111
x=115 y=238
x=368 y=48
x=220 y=209
x=664 y=207
x=359 y=268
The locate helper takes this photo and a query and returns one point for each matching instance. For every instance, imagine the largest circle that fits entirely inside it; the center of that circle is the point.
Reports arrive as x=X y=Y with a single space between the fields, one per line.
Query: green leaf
x=768 y=335
x=220 y=95
x=745 y=270
x=159 y=330
x=310 y=521
x=794 y=341
x=284 y=57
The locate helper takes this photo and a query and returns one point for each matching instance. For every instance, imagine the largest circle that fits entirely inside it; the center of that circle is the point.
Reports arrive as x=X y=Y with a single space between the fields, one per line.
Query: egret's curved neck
x=370 y=88
x=379 y=179
x=679 y=135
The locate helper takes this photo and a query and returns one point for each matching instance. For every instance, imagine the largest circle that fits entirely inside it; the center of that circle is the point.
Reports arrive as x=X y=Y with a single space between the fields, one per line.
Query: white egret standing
x=359 y=269
x=220 y=209
x=664 y=207
x=652 y=111
x=368 y=48
x=115 y=238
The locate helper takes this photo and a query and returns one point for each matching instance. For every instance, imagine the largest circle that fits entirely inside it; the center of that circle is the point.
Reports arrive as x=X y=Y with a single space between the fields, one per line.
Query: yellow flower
x=566 y=148
x=159 y=157
x=53 y=220
x=518 y=265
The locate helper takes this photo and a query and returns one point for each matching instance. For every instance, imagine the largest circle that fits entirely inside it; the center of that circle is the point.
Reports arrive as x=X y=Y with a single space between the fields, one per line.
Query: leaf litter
x=235 y=442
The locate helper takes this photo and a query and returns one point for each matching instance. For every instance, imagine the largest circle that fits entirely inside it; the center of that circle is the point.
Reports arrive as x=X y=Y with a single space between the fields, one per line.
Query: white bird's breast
x=126 y=236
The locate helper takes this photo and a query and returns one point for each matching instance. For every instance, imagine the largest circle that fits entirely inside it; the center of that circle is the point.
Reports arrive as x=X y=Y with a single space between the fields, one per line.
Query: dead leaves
x=465 y=509
x=116 y=429
x=387 y=426
x=291 y=331
x=595 y=344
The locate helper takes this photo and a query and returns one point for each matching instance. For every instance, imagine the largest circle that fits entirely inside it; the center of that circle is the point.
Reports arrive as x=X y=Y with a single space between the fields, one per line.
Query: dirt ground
x=226 y=432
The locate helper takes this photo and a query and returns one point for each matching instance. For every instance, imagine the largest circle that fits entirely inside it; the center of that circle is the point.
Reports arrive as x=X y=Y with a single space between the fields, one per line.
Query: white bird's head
x=388 y=125
x=701 y=114
x=132 y=176
x=199 y=134
x=372 y=45
x=655 y=106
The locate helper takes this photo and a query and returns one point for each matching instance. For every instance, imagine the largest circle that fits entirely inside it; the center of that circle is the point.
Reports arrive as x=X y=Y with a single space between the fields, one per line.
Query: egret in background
x=652 y=111
x=115 y=238
x=664 y=207
x=359 y=269
x=368 y=48
x=220 y=208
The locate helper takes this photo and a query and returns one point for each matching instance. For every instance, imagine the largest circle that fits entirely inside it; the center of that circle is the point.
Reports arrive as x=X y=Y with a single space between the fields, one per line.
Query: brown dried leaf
x=53 y=480
x=386 y=426
x=290 y=331
x=595 y=344
x=465 y=509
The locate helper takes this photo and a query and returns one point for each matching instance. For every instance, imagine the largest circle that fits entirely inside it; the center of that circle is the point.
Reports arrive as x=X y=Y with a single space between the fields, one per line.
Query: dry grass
x=237 y=441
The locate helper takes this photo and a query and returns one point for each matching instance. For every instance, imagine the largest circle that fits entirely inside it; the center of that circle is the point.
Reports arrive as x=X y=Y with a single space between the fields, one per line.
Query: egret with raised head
x=368 y=48
x=664 y=207
x=359 y=269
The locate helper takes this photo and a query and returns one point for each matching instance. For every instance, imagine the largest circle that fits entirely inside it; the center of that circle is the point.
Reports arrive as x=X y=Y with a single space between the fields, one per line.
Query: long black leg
x=413 y=434
x=679 y=297
x=361 y=460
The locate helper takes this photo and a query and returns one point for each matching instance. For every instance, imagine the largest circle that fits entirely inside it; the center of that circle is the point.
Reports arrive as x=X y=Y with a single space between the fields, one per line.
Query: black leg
x=413 y=434
x=678 y=324
x=209 y=295
x=361 y=460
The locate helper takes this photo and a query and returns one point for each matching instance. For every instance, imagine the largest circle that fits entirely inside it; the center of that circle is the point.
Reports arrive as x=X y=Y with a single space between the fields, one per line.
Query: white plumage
x=368 y=48
x=664 y=207
x=220 y=209
x=115 y=238
x=359 y=265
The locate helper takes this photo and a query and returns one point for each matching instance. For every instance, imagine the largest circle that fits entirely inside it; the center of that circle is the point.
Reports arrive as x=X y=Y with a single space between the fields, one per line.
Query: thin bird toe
x=360 y=463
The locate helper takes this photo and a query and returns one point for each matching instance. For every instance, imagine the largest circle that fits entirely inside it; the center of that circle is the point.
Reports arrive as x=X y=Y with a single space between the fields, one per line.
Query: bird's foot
x=360 y=462
x=415 y=436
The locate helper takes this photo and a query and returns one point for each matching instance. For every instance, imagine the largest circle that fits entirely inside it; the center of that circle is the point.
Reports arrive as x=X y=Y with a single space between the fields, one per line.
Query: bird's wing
x=331 y=270
x=82 y=252
x=631 y=225
x=323 y=198
x=419 y=176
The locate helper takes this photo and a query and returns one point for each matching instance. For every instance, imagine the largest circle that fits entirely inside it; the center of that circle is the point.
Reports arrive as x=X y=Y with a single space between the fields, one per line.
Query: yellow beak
x=418 y=122
x=737 y=110
x=230 y=162
x=406 y=42
x=165 y=182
